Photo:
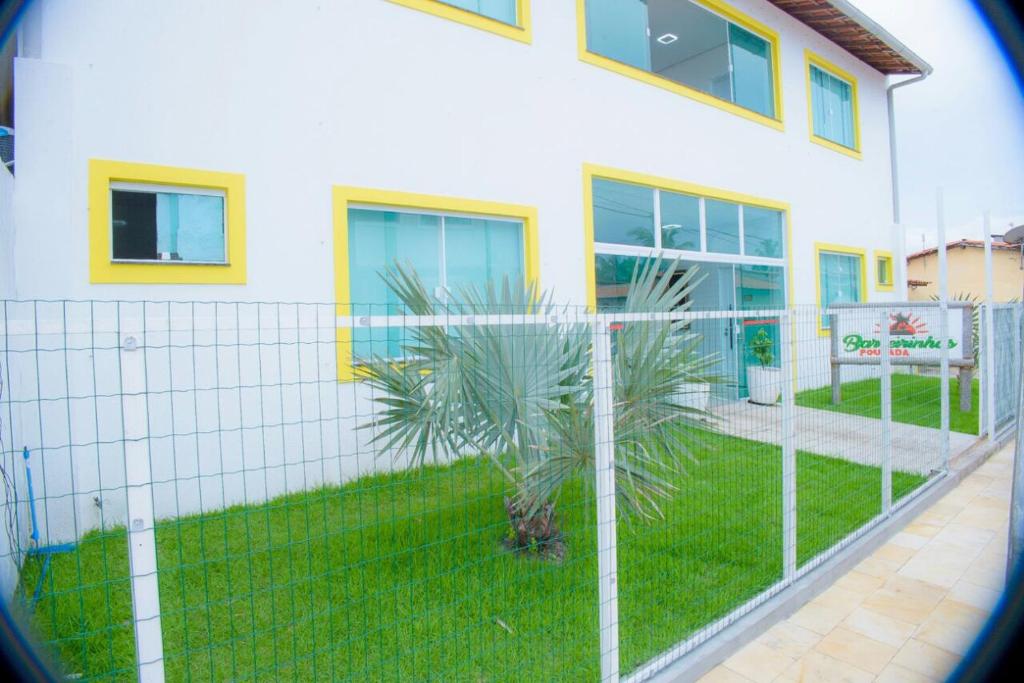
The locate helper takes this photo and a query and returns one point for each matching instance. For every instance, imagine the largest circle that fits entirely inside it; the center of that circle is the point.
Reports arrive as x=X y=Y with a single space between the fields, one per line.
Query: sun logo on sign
x=905 y=325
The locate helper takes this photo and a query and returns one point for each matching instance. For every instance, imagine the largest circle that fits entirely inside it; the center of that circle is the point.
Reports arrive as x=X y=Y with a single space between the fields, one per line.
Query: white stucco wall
x=301 y=96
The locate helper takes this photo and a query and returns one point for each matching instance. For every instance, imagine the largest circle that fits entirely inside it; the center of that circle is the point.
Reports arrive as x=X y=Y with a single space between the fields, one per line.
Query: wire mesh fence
x=519 y=492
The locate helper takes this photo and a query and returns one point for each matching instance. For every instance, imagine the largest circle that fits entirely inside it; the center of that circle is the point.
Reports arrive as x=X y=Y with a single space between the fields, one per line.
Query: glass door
x=719 y=337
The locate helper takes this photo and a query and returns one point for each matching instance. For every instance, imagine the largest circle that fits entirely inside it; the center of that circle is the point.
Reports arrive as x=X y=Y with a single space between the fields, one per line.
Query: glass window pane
x=884 y=276
x=751 y=71
x=762 y=232
x=167 y=226
x=501 y=10
x=133 y=225
x=617 y=29
x=690 y=45
x=479 y=252
x=723 y=226
x=376 y=240
x=760 y=287
x=191 y=226
x=680 y=221
x=839 y=280
x=623 y=214
x=613 y=274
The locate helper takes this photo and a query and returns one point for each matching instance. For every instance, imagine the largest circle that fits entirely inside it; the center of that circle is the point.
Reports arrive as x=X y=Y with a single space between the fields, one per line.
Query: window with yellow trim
x=451 y=245
x=702 y=46
x=509 y=18
x=832 y=98
x=840 y=278
x=449 y=252
x=883 y=271
x=160 y=224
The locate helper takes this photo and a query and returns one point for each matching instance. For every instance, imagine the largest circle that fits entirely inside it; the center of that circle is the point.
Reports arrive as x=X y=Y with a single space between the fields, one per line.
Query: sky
x=962 y=128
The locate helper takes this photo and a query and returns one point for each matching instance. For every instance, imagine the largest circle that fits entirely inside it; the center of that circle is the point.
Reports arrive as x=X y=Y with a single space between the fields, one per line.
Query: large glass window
x=839 y=279
x=832 y=108
x=687 y=43
x=623 y=214
x=172 y=225
x=447 y=252
x=500 y=10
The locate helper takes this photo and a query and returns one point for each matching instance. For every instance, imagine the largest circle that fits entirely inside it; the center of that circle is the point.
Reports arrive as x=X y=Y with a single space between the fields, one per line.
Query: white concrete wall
x=301 y=96
x=7 y=290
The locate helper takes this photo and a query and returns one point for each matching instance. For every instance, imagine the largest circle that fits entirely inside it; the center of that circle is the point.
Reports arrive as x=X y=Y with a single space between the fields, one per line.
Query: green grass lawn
x=915 y=400
x=403 y=576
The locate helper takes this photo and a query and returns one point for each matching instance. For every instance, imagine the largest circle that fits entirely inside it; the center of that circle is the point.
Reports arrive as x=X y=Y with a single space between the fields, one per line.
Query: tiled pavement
x=907 y=613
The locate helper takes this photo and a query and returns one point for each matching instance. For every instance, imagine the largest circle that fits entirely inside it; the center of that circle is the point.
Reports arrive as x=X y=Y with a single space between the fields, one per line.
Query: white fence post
x=788 y=447
x=943 y=334
x=149 y=648
x=886 y=369
x=604 y=455
x=989 y=351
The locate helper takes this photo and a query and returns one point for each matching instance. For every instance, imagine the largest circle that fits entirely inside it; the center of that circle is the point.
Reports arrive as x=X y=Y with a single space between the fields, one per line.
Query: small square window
x=151 y=224
x=883 y=271
x=166 y=224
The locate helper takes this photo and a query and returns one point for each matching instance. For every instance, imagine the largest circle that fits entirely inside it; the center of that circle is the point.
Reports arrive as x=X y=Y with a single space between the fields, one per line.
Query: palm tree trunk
x=534 y=533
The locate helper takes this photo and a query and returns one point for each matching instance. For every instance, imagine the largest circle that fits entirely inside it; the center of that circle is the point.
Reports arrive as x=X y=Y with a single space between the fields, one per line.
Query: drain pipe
x=900 y=262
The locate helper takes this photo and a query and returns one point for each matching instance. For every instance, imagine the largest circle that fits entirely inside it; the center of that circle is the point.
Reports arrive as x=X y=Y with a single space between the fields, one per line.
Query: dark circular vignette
x=997 y=652
x=1005 y=21
x=20 y=659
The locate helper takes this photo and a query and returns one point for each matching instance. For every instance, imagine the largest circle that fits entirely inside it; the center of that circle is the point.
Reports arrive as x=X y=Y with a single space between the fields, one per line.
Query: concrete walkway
x=851 y=437
x=907 y=613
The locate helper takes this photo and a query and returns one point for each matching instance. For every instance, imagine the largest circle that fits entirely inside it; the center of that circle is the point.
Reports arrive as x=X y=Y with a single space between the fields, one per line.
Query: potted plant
x=763 y=380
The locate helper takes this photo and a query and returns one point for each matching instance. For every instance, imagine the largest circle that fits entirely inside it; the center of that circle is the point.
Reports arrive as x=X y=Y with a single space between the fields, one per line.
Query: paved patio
x=907 y=613
x=851 y=437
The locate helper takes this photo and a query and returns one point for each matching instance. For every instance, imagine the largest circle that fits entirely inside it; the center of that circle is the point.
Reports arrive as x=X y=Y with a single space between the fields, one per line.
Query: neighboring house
x=966 y=271
x=192 y=150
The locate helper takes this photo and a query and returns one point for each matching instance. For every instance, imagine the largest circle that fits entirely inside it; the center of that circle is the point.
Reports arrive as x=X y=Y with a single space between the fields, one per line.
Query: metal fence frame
x=141 y=517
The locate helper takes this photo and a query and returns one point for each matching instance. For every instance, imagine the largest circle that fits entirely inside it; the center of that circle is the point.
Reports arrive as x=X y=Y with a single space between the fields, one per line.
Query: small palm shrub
x=523 y=396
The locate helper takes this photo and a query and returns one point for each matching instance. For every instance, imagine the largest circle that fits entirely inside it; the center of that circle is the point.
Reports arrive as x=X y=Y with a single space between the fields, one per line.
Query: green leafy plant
x=761 y=346
x=523 y=395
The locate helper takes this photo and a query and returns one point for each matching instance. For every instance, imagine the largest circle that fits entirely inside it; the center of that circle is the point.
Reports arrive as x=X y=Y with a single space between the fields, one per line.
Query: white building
x=231 y=151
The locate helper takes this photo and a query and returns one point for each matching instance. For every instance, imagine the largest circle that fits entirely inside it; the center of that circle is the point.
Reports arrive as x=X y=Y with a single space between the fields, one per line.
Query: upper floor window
x=499 y=10
x=833 y=102
x=509 y=18
x=702 y=45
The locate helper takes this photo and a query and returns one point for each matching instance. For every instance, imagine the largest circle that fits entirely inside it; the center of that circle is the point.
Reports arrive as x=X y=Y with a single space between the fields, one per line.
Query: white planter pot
x=694 y=395
x=764 y=385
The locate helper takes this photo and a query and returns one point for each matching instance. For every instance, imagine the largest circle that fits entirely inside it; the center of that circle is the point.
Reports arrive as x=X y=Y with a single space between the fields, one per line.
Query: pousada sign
x=913 y=335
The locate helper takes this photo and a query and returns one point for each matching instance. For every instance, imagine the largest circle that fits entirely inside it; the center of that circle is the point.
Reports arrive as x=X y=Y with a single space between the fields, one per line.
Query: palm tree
x=523 y=395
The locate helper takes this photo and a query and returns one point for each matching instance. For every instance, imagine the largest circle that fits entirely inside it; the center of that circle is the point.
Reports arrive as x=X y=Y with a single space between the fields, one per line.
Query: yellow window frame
x=522 y=32
x=728 y=12
x=591 y=171
x=346 y=196
x=104 y=270
x=880 y=285
x=828 y=248
x=812 y=59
